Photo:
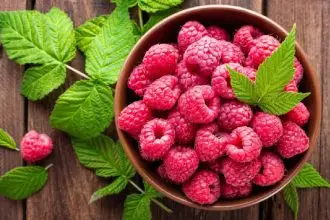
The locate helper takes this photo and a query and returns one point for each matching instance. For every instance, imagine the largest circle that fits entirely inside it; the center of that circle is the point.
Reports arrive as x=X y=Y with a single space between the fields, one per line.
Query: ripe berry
x=138 y=81
x=162 y=172
x=299 y=114
x=188 y=79
x=190 y=32
x=230 y=53
x=232 y=192
x=291 y=87
x=245 y=37
x=218 y=33
x=299 y=71
x=216 y=165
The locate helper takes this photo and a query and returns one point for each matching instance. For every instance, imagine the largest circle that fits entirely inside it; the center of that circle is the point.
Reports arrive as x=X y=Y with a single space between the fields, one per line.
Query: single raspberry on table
x=291 y=87
x=244 y=145
x=230 y=53
x=203 y=56
x=188 y=79
x=199 y=104
x=221 y=79
x=299 y=71
x=299 y=114
x=138 y=81
x=232 y=192
x=35 y=146
x=210 y=143
x=163 y=93
x=268 y=127
x=272 y=169
x=234 y=114
x=184 y=130
x=203 y=188
x=245 y=37
x=160 y=60
x=240 y=174
x=190 y=32
x=218 y=33
x=156 y=138
x=180 y=164
x=133 y=117
x=293 y=141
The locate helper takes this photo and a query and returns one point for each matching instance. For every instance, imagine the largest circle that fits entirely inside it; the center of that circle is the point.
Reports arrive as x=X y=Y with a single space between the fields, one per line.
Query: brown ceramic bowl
x=230 y=17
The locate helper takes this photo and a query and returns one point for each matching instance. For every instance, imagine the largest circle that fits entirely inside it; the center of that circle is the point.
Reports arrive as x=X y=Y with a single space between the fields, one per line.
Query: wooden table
x=70 y=185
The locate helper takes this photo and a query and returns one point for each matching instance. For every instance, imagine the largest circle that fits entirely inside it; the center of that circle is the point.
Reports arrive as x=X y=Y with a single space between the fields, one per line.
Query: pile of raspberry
x=190 y=124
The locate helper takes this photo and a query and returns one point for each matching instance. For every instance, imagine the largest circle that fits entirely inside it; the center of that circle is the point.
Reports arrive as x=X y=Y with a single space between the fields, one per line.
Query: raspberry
x=299 y=114
x=291 y=87
x=230 y=53
x=210 y=143
x=203 y=56
x=268 y=127
x=188 y=79
x=272 y=169
x=244 y=145
x=299 y=71
x=160 y=60
x=163 y=93
x=35 y=146
x=184 y=131
x=293 y=141
x=232 y=192
x=162 y=172
x=203 y=187
x=180 y=164
x=264 y=47
x=218 y=33
x=190 y=32
x=133 y=117
x=240 y=174
x=221 y=79
x=138 y=81
x=199 y=104
x=156 y=138
x=216 y=165
x=245 y=37
x=234 y=114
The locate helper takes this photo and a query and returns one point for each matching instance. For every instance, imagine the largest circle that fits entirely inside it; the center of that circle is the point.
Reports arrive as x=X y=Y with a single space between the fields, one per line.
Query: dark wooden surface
x=70 y=185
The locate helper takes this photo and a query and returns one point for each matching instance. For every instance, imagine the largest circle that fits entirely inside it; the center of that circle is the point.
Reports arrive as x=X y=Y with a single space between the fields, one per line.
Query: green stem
x=49 y=166
x=140 y=18
x=77 y=71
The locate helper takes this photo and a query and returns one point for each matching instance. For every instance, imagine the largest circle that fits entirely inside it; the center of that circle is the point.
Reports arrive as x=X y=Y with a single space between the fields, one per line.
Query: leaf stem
x=161 y=205
x=140 y=18
x=77 y=71
x=49 y=166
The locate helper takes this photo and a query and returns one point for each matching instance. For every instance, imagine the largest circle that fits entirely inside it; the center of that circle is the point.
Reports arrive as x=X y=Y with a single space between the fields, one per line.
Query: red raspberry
x=156 y=138
x=240 y=174
x=184 y=131
x=138 y=81
x=35 y=146
x=245 y=37
x=268 y=127
x=199 y=104
x=299 y=71
x=163 y=93
x=244 y=145
x=230 y=53
x=299 y=114
x=190 y=32
x=162 y=172
x=221 y=79
x=293 y=141
x=216 y=165
x=160 y=60
x=232 y=192
x=234 y=114
x=272 y=169
x=203 y=187
x=203 y=56
x=218 y=33
x=133 y=117
x=210 y=143
x=291 y=87
x=180 y=164
x=188 y=79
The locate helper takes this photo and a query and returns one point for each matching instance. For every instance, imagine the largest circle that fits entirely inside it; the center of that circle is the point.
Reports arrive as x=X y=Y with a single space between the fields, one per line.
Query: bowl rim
x=249 y=201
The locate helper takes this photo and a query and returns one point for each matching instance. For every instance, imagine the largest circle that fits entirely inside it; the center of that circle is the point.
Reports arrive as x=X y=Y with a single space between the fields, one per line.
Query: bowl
x=230 y=17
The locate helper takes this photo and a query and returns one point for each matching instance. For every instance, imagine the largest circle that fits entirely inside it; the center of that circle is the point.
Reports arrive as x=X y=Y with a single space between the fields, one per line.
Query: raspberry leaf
x=151 y=192
x=157 y=17
x=22 y=182
x=129 y=3
x=84 y=110
x=152 y=6
x=137 y=207
x=6 y=140
x=308 y=177
x=290 y=195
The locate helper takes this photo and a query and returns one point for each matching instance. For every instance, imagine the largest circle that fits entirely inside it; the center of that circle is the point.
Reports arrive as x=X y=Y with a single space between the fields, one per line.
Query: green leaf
x=243 y=87
x=104 y=155
x=22 y=182
x=291 y=198
x=6 y=140
x=152 y=6
x=308 y=177
x=281 y=103
x=129 y=3
x=157 y=17
x=149 y=191
x=39 y=81
x=109 y=49
x=137 y=207
x=84 y=110
x=277 y=70
x=115 y=187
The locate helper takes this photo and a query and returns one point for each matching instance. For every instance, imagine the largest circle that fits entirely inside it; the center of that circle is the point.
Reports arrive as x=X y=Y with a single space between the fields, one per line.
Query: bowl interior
x=231 y=18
